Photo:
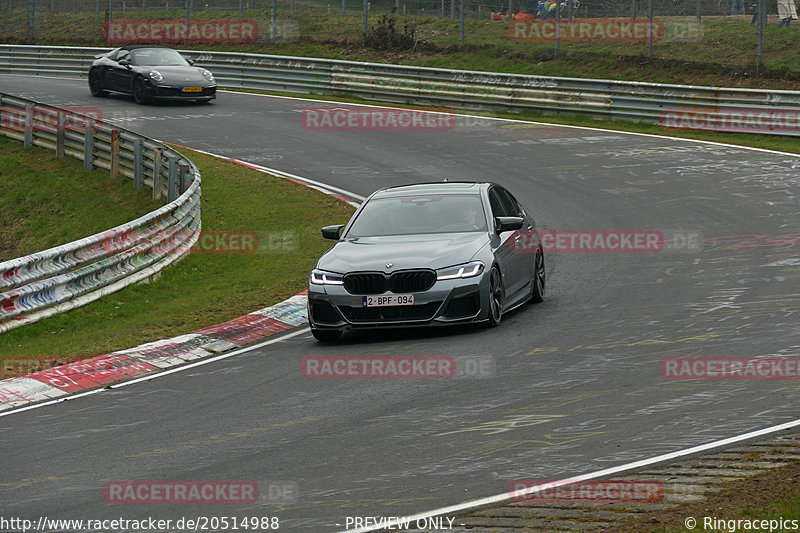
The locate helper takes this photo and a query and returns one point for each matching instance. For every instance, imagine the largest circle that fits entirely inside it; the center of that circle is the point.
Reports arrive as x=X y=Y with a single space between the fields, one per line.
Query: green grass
x=786 y=508
x=202 y=289
x=36 y=190
x=724 y=55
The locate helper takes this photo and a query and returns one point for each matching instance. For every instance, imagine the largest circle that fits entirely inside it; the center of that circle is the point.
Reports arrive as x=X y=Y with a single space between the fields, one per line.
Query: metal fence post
x=31 y=20
x=60 y=134
x=110 y=10
x=558 y=30
x=698 y=12
x=344 y=6
x=138 y=162
x=762 y=17
x=364 y=28
x=649 y=28
x=461 y=23
x=157 y=156
x=28 y=142
x=88 y=149
x=114 y=154
x=274 y=21
x=183 y=170
x=172 y=179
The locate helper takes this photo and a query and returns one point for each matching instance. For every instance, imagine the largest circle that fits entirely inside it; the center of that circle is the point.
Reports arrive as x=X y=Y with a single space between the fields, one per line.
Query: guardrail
x=638 y=101
x=67 y=276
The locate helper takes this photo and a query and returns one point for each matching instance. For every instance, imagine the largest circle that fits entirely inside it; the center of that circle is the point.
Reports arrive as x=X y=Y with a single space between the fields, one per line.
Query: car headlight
x=322 y=277
x=466 y=270
x=207 y=75
x=156 y=76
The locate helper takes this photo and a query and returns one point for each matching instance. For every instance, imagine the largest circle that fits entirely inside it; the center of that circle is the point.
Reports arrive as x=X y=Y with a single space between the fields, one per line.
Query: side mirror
x=124 y=62
x=190 y=61
x=508 y=223
x=332 y=232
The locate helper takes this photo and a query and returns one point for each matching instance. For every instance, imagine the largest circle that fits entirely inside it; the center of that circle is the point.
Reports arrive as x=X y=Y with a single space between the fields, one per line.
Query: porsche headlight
x=207 y=75
x=322 y=277
x=156 y=76
x=466 y=270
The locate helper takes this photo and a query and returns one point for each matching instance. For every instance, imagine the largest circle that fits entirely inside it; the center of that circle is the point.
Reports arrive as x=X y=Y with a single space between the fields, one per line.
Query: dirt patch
x=757 y=492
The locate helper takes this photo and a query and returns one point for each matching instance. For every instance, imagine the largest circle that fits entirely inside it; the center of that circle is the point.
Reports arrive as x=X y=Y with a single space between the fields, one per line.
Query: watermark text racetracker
x=731 y=368
x=194 y=524
x=178 y=31
x=375 y=119
x=607 y=241
x=594 y=490
x=397 y=367
x=785 y=120
x=51 y=120
x=619 y=30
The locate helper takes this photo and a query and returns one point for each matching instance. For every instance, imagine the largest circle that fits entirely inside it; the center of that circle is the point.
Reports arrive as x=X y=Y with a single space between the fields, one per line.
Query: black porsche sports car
x=150 y=71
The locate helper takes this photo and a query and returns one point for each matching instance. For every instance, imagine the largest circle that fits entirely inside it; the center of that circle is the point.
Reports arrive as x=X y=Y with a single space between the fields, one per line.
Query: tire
x=495 y=297
x=326 y=335
x=539 y=279
x=96 y=84
x=139 y=92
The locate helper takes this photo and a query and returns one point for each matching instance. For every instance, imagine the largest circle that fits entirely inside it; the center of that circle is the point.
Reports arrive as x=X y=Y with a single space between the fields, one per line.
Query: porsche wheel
x=96 y=84
x=140 y=92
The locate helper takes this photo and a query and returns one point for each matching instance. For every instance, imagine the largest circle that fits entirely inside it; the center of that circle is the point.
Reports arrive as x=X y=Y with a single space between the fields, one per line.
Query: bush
x=385 y=35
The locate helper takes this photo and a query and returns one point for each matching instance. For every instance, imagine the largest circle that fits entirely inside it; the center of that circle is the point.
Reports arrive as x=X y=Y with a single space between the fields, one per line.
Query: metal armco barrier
x=638 y=101
x=74 y=274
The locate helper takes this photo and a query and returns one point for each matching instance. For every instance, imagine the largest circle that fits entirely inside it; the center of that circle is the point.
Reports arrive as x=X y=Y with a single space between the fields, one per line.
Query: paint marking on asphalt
x=458 y=508
x=160 y=374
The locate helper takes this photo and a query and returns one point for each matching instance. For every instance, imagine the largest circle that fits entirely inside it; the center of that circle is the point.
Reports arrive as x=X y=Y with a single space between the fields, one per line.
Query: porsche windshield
x=153 y=57
x=413 y=215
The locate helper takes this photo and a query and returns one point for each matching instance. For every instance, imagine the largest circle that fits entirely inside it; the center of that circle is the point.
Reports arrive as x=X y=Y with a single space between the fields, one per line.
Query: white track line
x=521 y=121
x=568 y=481
x=148 y=377
x=504 y=496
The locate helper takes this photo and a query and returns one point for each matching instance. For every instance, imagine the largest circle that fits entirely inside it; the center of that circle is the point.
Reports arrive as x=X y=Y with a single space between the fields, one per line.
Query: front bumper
x=166 y=92
x=447 y=302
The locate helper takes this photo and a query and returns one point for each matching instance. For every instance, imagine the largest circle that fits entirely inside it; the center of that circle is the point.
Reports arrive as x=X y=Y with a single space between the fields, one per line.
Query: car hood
x=403 y=251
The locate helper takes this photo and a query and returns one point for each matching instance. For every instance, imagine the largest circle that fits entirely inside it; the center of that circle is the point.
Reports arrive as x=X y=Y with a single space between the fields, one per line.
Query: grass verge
x=204 y=288
x=721 y=52
x=37 y=189
x=774 y=495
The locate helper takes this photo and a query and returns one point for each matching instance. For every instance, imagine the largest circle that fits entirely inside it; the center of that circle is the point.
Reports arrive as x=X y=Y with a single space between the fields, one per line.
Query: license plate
x=388 y=300
x=192 y=89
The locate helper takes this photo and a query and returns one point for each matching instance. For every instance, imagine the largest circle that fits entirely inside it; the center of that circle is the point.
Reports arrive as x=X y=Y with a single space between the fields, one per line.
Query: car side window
x=123 y=54
x=515 y=209
x=499 y=209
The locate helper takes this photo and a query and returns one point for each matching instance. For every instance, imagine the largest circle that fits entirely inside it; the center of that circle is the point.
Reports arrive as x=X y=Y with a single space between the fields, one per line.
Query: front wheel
x=495 y=297
x=539 y=277
x=326 y=335
x=96 y=84
x=140 y=92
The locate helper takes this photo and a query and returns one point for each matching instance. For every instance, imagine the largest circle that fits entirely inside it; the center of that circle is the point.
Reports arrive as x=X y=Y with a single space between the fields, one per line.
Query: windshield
x=413 y=215
x=153 y=57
